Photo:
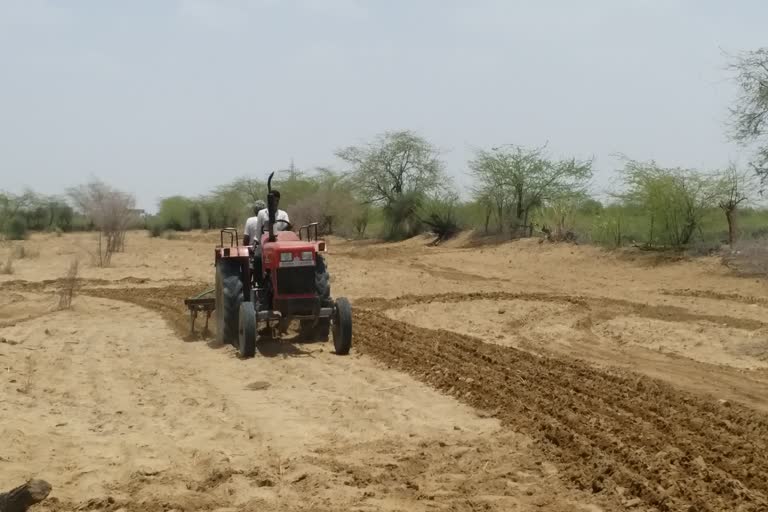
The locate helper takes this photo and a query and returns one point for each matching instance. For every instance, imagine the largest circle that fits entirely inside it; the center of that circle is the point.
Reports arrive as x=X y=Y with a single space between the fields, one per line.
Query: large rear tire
x=342 y=326
x=229 y=296
x=246 y=332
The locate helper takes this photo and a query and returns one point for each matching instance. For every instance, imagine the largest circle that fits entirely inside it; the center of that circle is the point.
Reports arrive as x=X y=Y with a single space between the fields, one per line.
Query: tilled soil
x=646 y=439
x=110 y=406
x=120 y=414
x=165 y=300
x=614 y=433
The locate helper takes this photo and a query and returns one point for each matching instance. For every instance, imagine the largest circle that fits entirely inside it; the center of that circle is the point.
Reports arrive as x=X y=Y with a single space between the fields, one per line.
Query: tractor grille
x=296 y=280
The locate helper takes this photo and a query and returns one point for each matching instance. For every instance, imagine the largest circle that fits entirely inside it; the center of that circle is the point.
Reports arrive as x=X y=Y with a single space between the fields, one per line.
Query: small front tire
x=246 y=342
x=342 y=326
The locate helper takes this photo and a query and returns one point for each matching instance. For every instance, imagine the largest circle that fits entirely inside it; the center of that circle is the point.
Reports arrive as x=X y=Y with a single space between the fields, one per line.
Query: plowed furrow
x=671 y=449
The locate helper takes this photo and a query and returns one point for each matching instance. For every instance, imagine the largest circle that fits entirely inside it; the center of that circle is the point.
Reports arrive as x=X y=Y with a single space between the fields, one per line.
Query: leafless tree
x=110 y=210
x=734 y=188
x=749 y=123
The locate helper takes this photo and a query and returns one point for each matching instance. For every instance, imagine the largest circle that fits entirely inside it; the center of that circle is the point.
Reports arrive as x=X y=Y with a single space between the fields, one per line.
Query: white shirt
x=254 y=225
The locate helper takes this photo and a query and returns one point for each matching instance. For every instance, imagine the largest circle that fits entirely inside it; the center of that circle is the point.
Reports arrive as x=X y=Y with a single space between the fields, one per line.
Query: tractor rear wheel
x=229 y=296
x=342 y=326
x=246 y=332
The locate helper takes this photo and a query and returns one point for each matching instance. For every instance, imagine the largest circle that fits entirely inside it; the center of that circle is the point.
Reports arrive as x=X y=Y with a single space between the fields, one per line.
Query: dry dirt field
x=512 y=377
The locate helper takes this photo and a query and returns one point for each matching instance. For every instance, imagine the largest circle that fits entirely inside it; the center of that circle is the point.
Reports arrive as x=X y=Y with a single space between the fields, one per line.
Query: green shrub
x=16 y=229
x=155 y=228
x=176 y=213
x=401 y=217
x=439 y=213
x=675 y=201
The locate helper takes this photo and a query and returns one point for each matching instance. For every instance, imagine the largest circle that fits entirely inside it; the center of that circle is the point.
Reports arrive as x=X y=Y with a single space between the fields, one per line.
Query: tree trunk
x=521 y=212
x=488 y=212
x=525 y=219
x=688 y=232
x=101 y=254
x=24 y=496
x=650 y=235
x=730 y=216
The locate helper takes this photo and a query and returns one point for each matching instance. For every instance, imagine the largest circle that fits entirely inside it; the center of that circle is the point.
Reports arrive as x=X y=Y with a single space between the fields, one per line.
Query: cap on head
x=258 y=205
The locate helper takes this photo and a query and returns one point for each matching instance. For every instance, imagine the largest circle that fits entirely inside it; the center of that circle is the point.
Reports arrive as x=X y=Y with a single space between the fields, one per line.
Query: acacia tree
x=675 y=199
x=491 y=190
x=249 y=188
x=484 y=199
x=750 y=114
x=396 y=171
x=335 y=197
x=520 y=179
x=734 y=188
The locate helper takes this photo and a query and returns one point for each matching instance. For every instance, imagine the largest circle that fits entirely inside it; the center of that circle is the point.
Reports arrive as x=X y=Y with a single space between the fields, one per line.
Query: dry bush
x=558 y=220
x=7 y=267
x=749 y=257
x=111 y=211
x=307 y=211
x=21 y=252
x=69 y=286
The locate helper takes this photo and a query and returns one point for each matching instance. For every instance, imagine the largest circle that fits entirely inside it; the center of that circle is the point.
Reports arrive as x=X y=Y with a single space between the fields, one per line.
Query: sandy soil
x=515 y=377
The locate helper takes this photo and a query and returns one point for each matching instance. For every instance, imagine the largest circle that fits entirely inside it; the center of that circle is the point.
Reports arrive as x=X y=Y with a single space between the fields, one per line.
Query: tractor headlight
x=286 y=256
x=306 y=255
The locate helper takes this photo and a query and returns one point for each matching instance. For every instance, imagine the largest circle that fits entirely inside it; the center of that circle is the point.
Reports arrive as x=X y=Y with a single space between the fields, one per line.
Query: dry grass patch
x=7 y=267
x=69 y=286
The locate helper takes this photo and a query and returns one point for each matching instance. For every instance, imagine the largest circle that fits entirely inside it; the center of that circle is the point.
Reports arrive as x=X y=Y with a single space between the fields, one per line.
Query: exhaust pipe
x=271 y=207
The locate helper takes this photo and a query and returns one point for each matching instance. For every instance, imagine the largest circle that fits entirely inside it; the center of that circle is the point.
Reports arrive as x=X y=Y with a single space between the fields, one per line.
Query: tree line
x=396 y=186
x=398 y=183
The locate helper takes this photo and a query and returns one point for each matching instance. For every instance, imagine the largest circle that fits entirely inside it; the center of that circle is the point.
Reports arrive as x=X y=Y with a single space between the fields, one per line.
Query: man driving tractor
x=258 y=224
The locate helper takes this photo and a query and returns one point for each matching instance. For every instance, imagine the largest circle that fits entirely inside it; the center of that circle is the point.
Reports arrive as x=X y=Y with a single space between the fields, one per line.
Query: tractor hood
x=288 y=251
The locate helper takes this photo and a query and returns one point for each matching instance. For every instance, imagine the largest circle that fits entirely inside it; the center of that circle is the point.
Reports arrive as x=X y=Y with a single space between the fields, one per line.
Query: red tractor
x=290 y=283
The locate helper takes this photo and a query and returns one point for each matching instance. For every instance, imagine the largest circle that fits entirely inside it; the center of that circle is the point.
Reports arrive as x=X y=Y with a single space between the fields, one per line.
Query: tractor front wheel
x=246 y=332
x=229 y=296
x=342 y=326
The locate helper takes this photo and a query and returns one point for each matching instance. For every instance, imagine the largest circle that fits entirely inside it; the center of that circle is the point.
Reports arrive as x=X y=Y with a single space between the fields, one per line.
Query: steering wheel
x=289 y=226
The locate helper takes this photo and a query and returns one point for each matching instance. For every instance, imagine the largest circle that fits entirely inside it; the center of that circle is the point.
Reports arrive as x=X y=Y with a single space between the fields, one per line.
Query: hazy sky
x=163 y=97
